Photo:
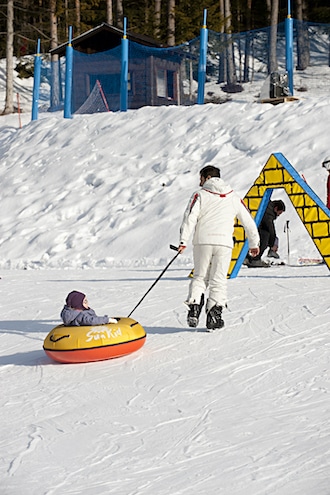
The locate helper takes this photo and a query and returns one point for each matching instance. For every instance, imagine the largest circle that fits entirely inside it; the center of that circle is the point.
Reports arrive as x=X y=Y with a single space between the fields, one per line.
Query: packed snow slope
x=92 y=204
x=110 y=189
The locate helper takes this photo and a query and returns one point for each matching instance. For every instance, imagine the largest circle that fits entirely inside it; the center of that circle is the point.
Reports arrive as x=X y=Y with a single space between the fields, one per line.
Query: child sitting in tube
x=77 y=312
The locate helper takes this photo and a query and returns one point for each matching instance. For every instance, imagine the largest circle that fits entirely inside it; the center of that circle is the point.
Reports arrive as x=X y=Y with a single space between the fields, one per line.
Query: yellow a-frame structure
x=278 y=173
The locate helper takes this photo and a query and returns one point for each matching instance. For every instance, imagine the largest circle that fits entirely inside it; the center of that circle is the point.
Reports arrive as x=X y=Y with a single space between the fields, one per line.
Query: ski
x=310 y=261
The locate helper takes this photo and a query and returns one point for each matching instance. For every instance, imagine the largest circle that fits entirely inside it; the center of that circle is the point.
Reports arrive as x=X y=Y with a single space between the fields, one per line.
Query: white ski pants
x=211 y=264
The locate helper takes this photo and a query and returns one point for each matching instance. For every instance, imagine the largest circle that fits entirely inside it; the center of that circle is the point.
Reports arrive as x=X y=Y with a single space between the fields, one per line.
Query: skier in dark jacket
x=326 y=165
x=77 y=312
x=267 y=233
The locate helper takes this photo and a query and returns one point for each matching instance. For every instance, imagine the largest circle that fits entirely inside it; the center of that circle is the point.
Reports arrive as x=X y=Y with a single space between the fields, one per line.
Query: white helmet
x=326 y=163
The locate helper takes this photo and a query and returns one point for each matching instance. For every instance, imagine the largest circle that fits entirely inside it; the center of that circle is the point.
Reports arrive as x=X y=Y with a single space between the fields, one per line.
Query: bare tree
x=272 y=67
x=171 y=23
x=9 y=105
x=109 y=12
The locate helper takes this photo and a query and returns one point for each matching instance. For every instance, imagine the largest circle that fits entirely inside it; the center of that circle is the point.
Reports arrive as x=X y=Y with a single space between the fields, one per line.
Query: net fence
x=238 y=62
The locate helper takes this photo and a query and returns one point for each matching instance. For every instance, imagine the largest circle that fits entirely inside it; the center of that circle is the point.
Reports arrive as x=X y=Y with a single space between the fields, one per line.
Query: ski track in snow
x=241 y=411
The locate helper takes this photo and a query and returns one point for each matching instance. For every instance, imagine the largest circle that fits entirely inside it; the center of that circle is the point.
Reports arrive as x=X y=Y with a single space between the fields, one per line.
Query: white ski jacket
x=211 y=213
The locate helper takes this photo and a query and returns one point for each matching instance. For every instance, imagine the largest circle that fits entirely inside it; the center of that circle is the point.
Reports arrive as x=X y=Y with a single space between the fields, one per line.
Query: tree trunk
x=222 y=52
x=231 y=73
x=171 y=23
x=146 y=12
x=158 y=6
x=303 y=53
x=78 y=17
x=272 y=67
x=227 y=8
x=269 y=9
x=248 y=41
x=53 y=25
x=222 y=15
x=109 y=12
x=120 y=14
x=9 y=105
x=55 y=96
x=249 y=15
x=66 y=15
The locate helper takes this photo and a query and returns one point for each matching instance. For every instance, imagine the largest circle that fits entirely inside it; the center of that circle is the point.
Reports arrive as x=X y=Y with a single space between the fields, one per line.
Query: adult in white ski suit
x=210 y=216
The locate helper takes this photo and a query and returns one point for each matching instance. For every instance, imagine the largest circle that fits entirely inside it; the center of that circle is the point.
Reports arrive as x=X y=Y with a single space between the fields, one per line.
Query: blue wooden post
x=68 y=77
x=124 y=71
x=36 y=83
x=202 y=61
x=289 y=46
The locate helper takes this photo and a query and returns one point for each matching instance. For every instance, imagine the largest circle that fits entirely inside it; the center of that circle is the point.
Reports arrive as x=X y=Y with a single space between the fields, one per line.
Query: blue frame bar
x=260 y=213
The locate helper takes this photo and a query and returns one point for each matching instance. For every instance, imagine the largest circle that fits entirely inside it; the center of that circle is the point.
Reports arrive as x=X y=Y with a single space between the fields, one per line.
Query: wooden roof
x=101 y=38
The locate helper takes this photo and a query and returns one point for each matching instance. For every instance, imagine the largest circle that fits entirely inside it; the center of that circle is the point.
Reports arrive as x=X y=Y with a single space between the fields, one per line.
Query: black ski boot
x=213 y=319
x=194 y=312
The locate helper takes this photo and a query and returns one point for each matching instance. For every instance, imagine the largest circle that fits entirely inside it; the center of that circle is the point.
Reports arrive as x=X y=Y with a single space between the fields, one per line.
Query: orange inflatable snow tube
x=94 y=343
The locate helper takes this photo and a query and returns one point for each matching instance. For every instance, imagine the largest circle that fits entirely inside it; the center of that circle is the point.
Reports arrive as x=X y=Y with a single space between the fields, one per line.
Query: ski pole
x=287 y=230
x=155 y=282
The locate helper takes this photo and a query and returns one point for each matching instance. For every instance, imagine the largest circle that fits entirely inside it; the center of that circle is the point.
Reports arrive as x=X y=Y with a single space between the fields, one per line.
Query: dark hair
x=280 y=205
x=209 y=170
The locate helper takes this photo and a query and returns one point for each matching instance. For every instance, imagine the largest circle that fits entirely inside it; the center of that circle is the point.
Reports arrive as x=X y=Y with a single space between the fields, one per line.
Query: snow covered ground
x=92 y=204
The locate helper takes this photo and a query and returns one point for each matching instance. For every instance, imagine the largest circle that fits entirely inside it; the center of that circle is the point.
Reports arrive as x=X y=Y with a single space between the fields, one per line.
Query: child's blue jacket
x=76 y=318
